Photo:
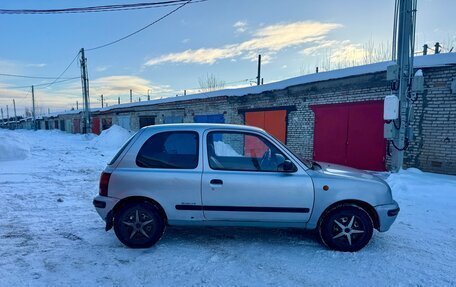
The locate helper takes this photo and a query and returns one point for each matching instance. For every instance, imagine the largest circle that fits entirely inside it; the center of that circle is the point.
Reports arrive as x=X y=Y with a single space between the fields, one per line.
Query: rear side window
x=113 y=160
x=174 y=150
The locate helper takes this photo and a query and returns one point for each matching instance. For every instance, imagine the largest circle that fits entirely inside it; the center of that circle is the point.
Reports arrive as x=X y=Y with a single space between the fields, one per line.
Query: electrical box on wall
x=392 y=72
x=391 y=107
x=388 y=131
x=418 y=82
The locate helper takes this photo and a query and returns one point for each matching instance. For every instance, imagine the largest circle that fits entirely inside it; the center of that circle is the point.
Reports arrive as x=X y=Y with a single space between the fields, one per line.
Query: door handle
x=216 y=182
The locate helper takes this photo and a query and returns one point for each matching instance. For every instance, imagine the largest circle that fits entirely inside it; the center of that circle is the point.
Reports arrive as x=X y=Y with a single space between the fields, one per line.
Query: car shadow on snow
x=239 y=236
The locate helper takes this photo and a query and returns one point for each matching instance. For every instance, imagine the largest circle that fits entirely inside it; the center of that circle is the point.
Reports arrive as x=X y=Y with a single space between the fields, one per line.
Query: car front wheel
x=138 y=225
x=346 y=228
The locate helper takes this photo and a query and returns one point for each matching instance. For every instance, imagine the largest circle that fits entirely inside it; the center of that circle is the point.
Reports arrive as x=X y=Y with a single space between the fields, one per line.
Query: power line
x=92 y=9
x=64 y=71
x=28 y=77
x=44 y=84
x=143 y=28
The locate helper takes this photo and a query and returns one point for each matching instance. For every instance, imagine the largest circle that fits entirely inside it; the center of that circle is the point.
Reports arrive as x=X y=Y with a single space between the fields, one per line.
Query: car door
x=165 y=166
x=242 y=180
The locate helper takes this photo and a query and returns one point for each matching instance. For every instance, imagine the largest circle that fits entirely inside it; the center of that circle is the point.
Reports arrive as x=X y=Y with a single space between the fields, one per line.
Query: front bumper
x=387 y=214
x=104 y=204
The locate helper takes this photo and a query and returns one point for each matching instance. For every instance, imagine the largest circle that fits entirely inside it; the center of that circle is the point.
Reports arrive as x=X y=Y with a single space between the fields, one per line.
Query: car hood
x=340 y=171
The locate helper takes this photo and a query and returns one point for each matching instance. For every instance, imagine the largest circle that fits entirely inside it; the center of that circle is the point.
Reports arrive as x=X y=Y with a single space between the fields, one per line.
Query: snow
x=112 y=138
x=50 y=234
x=223 y=149
x=13 y=147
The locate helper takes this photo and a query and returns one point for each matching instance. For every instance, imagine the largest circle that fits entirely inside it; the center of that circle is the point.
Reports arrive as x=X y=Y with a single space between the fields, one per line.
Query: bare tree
x=28 y=114
x=376 y=52
x=449 y=45
x=354 y=55
x=210 y=83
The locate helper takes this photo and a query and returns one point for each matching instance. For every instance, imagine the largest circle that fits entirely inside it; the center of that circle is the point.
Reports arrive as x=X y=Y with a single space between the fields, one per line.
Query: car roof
x=201 y=127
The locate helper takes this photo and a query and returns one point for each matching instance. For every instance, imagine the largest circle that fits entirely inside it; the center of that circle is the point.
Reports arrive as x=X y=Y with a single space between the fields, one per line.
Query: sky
x=216 y=37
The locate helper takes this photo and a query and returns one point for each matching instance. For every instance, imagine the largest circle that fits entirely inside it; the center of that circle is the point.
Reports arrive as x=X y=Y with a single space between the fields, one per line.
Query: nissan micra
x=230 y=175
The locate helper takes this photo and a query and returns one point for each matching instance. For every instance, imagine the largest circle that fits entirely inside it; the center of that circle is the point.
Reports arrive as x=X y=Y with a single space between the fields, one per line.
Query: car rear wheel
x=138 y=225
x=346 y=228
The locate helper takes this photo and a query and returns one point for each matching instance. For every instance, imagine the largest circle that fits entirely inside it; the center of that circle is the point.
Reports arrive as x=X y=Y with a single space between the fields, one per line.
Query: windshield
x=307 y=162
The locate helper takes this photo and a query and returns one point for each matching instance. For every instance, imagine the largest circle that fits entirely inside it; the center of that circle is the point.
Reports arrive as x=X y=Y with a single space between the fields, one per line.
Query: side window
x=242 y=151
x=174 y=150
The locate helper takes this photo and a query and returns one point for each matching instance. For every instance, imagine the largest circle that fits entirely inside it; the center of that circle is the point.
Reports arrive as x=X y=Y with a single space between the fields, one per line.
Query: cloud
x=101 y=68
x=339 y=54
x=320 y=46
x=267 y=41
x=349 y=53
x=41 y=65
x=121 y=85
x=8 y=66
x=64 y=96
x=240 y=26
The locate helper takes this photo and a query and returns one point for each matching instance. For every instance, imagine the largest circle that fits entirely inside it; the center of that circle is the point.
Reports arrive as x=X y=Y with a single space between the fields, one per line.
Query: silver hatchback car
x=229 y=175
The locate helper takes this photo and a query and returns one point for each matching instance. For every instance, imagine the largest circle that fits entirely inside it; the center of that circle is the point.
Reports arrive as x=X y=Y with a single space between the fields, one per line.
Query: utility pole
x=33 y=109
x=425 y=49
x=437 y=48
x=7 y=115
x=118 y=100
x=148 y=95
x=15 y=116
x=14 y=108
x=77 y=105
x=259 y=70
x=402 y=81
x=102 y=103
x=85 y=92
x=131 y=96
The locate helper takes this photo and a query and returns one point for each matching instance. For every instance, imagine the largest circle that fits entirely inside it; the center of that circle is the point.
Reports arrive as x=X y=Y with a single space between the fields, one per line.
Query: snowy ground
x=51 y=235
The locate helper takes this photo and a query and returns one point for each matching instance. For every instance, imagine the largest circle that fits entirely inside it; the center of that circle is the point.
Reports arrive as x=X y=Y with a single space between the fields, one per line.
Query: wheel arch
x=140 y=199
x=362 y=204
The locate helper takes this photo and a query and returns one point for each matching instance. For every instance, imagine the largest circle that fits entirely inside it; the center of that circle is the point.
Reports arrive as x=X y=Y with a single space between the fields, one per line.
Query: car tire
x=138 y=225
x=346 y=228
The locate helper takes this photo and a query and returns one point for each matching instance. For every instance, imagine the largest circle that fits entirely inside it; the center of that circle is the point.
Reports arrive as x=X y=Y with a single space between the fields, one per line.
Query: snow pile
x=223 y=149
x=110 y=139
x=415 y=181
x=13 y=146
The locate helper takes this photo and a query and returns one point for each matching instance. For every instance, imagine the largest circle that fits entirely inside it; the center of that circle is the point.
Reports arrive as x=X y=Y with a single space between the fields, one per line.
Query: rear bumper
x=387 y=215
x=104 y=204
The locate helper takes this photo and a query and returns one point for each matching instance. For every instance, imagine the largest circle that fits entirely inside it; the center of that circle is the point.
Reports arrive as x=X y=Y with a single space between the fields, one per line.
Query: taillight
x=104 y=182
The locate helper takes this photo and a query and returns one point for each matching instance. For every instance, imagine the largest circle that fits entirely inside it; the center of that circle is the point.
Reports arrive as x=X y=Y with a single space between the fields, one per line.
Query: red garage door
x=350 y=134
x=96 y=125
x=76 y=126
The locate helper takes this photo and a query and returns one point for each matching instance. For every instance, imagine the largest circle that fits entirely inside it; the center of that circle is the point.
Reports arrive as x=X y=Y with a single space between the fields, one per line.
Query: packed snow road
x=51 y=235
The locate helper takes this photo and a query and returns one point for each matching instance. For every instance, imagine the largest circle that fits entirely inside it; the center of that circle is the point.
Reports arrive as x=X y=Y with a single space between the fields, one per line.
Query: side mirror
x=288 y=166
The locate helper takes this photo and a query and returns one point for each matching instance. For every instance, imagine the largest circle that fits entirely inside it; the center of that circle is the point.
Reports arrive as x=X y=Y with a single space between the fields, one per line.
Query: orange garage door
x=274 y=122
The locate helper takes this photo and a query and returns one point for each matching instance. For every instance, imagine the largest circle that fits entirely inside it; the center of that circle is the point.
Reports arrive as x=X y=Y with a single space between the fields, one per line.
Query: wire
x=64 y=71
x=143 y=28
x=28 y=77
x=91 y=9
x=406 y=144
x=44 y=84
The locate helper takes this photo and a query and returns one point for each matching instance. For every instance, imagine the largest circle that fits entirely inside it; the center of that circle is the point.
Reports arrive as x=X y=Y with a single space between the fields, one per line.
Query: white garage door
x=124 y=121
